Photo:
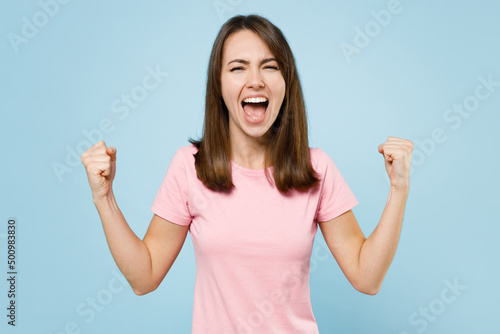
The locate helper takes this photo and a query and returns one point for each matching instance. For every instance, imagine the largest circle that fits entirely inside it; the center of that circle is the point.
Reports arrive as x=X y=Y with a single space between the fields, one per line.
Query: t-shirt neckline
x=235 y=166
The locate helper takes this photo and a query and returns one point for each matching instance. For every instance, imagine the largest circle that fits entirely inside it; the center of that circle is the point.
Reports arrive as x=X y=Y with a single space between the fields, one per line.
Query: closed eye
x=236 y=69
x=272 y=67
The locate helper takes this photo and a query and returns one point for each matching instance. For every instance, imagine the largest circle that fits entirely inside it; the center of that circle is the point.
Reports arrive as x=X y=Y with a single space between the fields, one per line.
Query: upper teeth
x=255 y=100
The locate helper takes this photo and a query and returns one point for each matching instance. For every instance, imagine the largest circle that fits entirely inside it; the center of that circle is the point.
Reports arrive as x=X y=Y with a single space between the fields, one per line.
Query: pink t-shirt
x=252 y=245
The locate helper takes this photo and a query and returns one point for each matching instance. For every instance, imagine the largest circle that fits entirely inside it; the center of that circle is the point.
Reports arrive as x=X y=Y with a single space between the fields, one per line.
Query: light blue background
x=64 y=80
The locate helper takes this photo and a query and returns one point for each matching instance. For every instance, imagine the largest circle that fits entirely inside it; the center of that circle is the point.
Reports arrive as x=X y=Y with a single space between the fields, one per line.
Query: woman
x=252 y=193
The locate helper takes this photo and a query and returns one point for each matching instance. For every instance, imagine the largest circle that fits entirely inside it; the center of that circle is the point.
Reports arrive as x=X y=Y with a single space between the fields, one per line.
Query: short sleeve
x=336 y=197
x=171 y=201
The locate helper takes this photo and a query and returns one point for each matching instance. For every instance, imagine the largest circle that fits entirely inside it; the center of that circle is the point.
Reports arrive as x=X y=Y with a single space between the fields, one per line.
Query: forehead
x=245 y=44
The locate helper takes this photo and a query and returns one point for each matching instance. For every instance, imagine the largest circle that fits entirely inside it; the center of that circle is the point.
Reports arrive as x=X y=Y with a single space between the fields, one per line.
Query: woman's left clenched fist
x=397 y=155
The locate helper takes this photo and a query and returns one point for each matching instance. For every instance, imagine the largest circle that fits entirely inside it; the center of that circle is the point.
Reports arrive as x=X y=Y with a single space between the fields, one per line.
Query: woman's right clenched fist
x=100 y=163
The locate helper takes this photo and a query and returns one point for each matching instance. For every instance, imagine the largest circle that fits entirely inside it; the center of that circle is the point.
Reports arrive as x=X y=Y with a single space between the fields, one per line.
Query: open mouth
x=255 y=107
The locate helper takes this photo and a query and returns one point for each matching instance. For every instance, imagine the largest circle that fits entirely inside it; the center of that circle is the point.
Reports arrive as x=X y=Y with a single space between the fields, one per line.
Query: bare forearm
x=378 y=250
x=129 y=252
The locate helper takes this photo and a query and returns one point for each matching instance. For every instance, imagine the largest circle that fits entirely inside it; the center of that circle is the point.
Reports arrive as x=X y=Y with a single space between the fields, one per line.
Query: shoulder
x=318 y=158
x=185 y=153
x=187 y=150
x=184 y=157
x=321 y=161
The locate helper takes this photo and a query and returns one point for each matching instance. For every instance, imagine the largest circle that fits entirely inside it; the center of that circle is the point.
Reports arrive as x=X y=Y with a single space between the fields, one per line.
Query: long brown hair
x=288 y=149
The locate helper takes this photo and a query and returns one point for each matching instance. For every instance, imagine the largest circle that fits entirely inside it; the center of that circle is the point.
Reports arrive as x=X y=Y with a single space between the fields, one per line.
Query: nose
x=255 y=79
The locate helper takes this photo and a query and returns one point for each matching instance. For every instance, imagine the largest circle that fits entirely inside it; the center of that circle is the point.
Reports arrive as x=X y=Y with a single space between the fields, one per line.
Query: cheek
x=230 y=91
x=279 y=91
x=277 y=84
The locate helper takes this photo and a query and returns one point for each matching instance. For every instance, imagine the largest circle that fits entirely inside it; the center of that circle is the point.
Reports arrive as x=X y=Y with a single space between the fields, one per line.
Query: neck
x=249 y=153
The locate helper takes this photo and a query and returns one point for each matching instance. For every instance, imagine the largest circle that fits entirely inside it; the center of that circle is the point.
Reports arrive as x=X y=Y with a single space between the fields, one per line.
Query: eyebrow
x=246 y=62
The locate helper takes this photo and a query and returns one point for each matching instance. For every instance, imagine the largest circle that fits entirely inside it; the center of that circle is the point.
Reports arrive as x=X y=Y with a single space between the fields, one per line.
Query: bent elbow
x=141 y=291
x=371 y=290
